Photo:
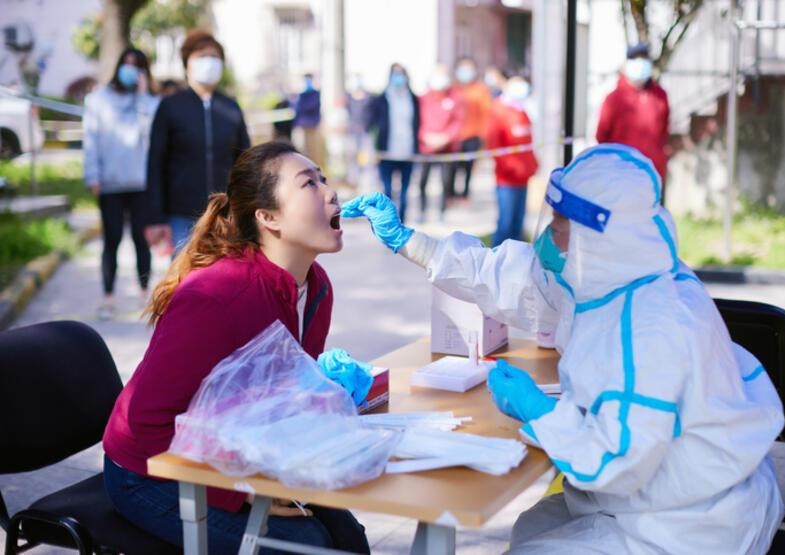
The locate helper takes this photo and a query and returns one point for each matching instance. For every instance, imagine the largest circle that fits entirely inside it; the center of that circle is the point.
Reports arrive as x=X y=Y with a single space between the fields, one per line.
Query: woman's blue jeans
x=404 y=169
x=153 y=505
x=181 y=231
x=512 y=209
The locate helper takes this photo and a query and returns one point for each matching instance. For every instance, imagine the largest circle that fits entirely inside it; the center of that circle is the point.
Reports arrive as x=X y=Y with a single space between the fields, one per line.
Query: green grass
x=61 y=179
x=757 y=238
x=22 y=241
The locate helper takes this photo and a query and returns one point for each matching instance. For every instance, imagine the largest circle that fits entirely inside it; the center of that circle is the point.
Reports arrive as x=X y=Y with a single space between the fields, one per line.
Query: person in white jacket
x=117 y=122
x=664 y=424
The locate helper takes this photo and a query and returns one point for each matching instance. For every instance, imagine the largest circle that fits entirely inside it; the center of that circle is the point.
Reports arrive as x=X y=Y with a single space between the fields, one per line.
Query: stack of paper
x=432 y=449
x=452 y=373
x=404 y=420
x=552 y=389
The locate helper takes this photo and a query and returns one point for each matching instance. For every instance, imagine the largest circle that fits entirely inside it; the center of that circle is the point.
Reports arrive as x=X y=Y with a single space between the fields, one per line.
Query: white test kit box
x=452 y=322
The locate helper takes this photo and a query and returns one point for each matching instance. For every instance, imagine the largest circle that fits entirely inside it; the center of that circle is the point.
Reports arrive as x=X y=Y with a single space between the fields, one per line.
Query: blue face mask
x=638 y=69
x=128 y=75
x=397 y=79
x=551 y=257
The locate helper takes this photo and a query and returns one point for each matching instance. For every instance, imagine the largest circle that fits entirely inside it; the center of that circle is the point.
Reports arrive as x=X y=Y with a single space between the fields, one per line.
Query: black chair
x=58 y=384
x=760 y=328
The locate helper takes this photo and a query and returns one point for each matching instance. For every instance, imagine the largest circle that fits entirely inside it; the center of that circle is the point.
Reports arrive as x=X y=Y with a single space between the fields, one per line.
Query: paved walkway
x=382 y=303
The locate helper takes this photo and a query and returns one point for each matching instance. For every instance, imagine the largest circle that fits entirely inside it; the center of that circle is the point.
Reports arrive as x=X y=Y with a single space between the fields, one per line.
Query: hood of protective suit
x=639 y=238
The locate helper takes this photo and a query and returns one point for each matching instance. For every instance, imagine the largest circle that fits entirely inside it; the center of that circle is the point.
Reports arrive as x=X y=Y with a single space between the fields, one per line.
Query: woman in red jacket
x=510 y=126
x=250 y=261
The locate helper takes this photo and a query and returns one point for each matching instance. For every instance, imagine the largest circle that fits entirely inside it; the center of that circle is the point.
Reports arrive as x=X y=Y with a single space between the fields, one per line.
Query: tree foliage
x=149 y=19
x=636 y=16
x=87 y=37
x=165 y=16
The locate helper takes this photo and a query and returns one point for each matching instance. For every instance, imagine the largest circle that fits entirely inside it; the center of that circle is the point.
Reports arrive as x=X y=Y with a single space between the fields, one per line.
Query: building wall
x=376 y=34
x=481 y=33
x=381 y=32
x=52 y=23
x=269 y=44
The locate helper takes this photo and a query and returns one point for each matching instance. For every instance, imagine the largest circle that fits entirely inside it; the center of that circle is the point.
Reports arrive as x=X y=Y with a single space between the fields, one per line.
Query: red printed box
x=379 y=393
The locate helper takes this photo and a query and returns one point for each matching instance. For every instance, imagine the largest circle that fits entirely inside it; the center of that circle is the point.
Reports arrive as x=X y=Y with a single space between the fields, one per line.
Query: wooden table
x=440 y=500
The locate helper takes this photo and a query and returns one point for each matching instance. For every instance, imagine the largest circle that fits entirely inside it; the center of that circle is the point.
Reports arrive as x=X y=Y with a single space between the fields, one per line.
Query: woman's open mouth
x=335 y=222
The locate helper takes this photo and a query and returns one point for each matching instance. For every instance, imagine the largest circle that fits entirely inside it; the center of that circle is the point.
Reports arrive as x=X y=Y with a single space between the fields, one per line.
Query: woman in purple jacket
x=250 y=261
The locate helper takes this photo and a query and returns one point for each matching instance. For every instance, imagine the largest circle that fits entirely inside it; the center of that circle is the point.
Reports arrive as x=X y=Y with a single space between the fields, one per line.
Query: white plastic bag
x=268 y=408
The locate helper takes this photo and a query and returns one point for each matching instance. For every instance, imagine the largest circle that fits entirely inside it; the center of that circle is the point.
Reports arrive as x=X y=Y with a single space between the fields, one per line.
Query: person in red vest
x=636 y=113
x=442 y=116
x=510 y=126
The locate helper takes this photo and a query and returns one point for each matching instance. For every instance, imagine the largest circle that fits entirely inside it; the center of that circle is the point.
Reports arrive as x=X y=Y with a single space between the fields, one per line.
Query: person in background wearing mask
x=358 y=107
x=197 y=135
x=395 y=117
x=636 y=113
x=510 y=126
x=307 y=116
x=117 y=122
x=477 y=104
x=442 y=116
x=494 y=79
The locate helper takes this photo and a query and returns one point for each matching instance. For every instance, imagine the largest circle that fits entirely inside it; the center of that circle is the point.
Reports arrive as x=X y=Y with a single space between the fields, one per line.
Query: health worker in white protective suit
x=663 y=426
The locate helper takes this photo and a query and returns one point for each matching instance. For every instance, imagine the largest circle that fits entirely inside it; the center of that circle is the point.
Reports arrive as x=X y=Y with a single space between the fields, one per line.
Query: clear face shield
x=561 y=210
x=555 y=243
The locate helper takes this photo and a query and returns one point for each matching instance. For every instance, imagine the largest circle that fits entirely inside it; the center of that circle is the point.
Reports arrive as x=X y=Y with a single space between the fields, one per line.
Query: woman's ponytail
x=214 y=236
x=228 y=226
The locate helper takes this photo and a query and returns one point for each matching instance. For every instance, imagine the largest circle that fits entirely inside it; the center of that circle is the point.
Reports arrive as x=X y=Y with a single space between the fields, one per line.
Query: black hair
x=140 y=61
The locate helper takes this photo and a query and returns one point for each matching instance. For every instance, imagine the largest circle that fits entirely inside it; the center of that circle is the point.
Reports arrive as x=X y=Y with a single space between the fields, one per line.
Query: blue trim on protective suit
x=563 y=282
x=628 y=397
x=754 y=374
x=624 y=155
x=602 y=301
x=685 y=277
x=642 y=400
x=669 y=240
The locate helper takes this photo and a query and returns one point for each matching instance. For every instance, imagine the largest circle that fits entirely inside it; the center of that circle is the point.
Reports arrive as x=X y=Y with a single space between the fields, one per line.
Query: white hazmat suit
x=663 y=426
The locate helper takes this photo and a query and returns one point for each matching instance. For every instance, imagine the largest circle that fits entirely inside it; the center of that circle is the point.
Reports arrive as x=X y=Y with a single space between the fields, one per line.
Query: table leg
x=193 y=512
x=433 y=539
x=257 y=525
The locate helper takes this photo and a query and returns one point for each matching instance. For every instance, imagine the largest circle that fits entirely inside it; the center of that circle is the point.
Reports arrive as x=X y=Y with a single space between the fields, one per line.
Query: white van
x=15 y=136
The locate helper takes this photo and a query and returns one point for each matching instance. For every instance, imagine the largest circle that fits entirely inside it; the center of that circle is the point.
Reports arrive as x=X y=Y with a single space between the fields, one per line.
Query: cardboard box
x=452 y=321
x=379 y=393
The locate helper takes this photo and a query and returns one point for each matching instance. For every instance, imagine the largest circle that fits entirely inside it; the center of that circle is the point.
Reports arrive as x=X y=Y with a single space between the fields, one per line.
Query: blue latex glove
x=516 y=394
x=355 y=377
x=383 y=215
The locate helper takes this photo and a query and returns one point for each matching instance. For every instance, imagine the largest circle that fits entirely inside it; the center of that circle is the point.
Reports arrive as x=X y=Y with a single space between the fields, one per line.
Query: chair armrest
x=83 y=540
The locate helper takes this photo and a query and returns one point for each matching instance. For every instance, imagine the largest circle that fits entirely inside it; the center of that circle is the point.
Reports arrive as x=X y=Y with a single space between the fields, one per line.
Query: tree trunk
x=684 y=12
x=687 y=12
x=624 y=17
x=115 y=33
x=638 y=12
